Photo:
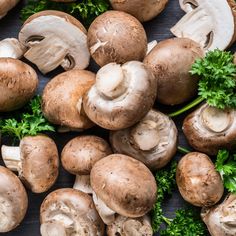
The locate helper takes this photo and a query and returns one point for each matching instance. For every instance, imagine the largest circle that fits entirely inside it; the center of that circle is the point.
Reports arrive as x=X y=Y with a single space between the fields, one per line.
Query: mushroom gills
x=82 y=183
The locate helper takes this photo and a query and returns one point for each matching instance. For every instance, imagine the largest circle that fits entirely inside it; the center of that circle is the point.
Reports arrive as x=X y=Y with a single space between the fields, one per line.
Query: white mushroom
x=6 y=5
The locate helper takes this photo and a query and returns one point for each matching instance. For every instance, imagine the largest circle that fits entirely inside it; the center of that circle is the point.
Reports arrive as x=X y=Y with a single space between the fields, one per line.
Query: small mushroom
x=122 y=185
x=198 y=181
x=18 y=84
x=80 y=154
x=210 y=23
x=209 y=129
x=175 y=85
x=116 y=37
x=6 y=5
x=36 y=161
x=152 y=141
x=63 y=98
x=142 y=10
x=121 y=96
x=13 y=200
x=67 y=212
x=53 y=39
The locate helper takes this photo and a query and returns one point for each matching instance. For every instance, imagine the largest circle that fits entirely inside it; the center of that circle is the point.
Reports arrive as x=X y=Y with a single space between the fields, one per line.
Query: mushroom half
x=6 y=5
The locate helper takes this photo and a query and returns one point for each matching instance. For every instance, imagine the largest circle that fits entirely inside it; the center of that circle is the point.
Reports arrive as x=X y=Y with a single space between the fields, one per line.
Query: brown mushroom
x=18 y=84
x=116 y=37
x=198 y=181
x=175 y=85
x=63 y=98
x=152 y=141
x=80 y=154
x=69 y=212
x=6 y=5
x=36 y=161
x=13 y=200
x=121 y=96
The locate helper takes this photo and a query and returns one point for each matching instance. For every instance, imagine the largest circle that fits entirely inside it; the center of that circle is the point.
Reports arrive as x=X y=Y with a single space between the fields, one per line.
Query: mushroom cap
x=116 y=37
x=142 y=10
x=6 y=5
x=175 y=84
x=18 y=84
x=72 y=211
x=13 y=200
x=121 y=96
x=63 y=97
x=124 y=184
x=152 y=141
x=209 y=129
x=40 y=162
x=198 y=181
x=81 y=153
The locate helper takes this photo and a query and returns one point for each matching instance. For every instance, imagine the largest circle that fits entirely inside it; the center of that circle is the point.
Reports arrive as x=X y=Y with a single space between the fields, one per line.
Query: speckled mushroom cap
x=124 y=184
x=63 y=97
x=40 y=162
x=18 y=84
x=70 y=212
x=209 y=129
x=13 y=200
x=117 y=37
x=82 y=152
x=152 y=141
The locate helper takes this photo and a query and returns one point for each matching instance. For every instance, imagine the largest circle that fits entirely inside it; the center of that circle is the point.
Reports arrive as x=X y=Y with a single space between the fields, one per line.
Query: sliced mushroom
x=54 y=38
x=152 y=141
x=121 y=96
x=63 y=98
x=209 y=129
x=116 y=37
x=175 y=85
x=210 y=23
x=80 y=154
x=13 y=200
x=6 y=5
x=18 y=84
x=67 y=212
x=36 y=161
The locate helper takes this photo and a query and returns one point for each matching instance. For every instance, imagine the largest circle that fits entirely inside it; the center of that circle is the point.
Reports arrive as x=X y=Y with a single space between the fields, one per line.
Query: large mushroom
x=210 y=23
x=209 y=129
x=53 y=39
x=116 y=37
x=62 y=99
x=36 y=161
x=122 y=185
x=6 y=5
x=152 y=141
x=175 y=84
x=80 y=154
x=121 y=96
x=18 y=84
x=67 y=212
x=13 y=200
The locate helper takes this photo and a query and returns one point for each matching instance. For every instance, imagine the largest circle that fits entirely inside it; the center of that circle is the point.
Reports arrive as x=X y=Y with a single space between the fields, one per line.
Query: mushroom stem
x=11 y=157
x=151 y=45
x=82 y=183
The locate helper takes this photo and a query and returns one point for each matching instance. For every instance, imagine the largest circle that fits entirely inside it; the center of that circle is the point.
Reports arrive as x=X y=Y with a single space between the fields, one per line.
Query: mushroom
x=122 y=185
x=198 y=181
x=6 y=5
x=54 y=38
x=124 y=226
x=62 y=99
x=220 y=220
x=209 y=129
x=80 y=154
x=121 y=96
x=152 y=141
x=13 y=200
x=210 y=23
x=36 y=161
x=11 y=47
x=18 y=84
x=175 y=85
x=69 y=212
x=116 y=37
x=142 y=10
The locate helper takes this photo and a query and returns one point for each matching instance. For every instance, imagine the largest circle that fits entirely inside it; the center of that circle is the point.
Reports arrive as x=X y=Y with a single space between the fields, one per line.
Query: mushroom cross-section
x=54 y=38
x=36 y=161
x=6 y=5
